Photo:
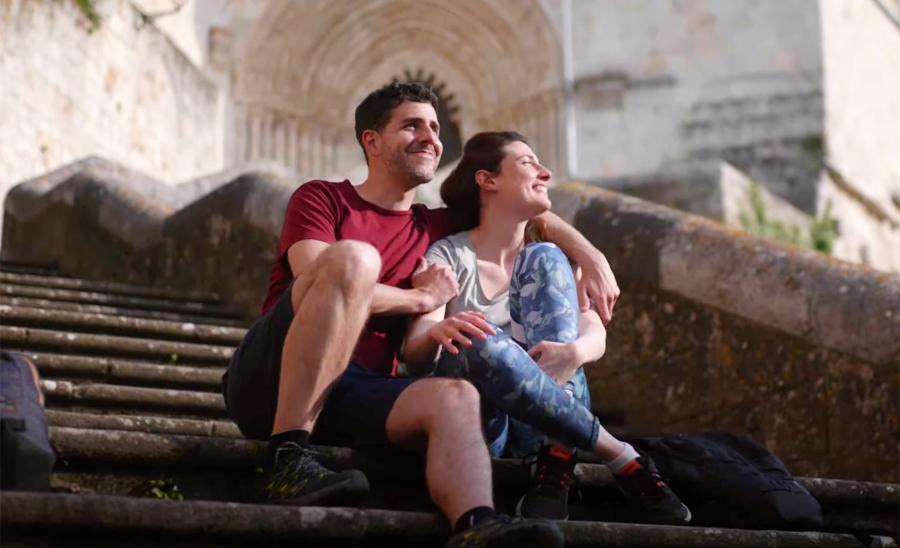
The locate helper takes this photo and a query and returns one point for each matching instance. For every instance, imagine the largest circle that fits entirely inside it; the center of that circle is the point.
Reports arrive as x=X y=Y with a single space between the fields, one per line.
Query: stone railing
x=715 y=330
x=720 y=330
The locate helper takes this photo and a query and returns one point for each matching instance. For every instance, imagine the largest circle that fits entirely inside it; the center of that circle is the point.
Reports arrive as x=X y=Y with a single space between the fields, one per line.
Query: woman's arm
x=428 y=332
x=591 y=340
x=420 y=350
x=561 y=360
x=599 y=283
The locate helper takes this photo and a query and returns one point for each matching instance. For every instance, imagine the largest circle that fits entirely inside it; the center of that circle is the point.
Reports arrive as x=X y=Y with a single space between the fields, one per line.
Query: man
x=349 y=268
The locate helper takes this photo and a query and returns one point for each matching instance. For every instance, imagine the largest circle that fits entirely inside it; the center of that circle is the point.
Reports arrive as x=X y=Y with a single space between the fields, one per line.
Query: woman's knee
x=543 y=255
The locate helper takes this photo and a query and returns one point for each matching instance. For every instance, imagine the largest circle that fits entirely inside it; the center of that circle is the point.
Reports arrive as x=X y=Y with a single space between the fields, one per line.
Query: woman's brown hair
x=459 y=190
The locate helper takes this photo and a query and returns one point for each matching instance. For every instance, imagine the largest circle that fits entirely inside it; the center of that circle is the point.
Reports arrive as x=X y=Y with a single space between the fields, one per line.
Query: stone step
x=47 y=304
x=16 y=267
x=98 y=517
x=173 y=352
x=143 y=423
x=88 y=297
x=122 y=371
x=134 y=398
x=146 y=450
x=119 y=325
x=60 y=282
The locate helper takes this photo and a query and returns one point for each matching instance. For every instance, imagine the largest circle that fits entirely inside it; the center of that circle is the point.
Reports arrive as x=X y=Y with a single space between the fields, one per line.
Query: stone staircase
x=146 y=455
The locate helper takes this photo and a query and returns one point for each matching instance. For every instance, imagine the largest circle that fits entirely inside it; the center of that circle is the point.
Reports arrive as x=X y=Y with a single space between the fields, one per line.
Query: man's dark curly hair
x=375 y=110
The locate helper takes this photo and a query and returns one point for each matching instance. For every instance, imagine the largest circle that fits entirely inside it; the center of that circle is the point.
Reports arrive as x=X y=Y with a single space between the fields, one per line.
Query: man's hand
x=436 y=281
x=597 y=284
x=557 y=360
x=458 y=328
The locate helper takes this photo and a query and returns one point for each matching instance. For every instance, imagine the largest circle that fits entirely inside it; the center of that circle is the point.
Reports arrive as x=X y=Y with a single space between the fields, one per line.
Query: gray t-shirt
x=457 y=252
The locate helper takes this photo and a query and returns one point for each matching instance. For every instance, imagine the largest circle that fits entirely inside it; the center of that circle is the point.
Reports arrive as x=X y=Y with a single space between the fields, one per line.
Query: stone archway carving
x=302 y=68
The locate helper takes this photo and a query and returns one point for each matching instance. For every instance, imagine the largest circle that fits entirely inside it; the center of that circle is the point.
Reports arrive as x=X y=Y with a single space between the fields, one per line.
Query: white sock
x=627 y=455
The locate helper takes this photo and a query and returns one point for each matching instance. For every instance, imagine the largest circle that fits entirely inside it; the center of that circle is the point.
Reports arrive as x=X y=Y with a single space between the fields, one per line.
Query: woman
x=515 y=331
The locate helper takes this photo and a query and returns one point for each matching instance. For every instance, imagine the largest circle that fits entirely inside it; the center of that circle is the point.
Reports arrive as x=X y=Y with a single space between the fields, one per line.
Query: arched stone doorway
x=301 y=68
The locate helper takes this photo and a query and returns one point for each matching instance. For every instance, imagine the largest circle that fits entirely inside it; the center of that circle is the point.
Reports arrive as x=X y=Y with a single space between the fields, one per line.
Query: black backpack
x=26 y=457
x=726 y=478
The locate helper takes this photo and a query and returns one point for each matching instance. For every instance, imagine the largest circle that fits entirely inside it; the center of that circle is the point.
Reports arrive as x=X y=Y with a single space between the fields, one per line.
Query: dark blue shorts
x=354 y=413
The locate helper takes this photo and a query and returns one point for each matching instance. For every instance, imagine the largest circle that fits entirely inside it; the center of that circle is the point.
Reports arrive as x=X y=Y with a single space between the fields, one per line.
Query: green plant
x=88 y=9
x=823 y=231
x=164 y=489
x=820 y=233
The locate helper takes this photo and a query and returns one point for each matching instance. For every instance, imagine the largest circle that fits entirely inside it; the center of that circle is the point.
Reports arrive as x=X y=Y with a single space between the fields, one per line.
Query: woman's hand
x=458 y=328
x=558 y=360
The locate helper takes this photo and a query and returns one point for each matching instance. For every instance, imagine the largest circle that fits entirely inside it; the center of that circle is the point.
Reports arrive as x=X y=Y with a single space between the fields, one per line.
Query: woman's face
x=522 y=183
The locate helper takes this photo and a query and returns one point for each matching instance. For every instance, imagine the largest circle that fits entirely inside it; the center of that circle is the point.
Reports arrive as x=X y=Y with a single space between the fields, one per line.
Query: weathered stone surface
x=133 y=396
x=126 y=371
x=59 y=282
x=222 y=242
x=148 y=424
x=113 y=300
x=120 y=324
x=48 y=304
x=235 y=522
x=147 y=450
x=742 y=274
x=717 y=330
x=170 y=351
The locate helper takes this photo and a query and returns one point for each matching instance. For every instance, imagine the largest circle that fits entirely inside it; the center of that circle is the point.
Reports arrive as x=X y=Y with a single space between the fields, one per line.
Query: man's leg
x=442 y=413
x=331 y=304
x=445 y=415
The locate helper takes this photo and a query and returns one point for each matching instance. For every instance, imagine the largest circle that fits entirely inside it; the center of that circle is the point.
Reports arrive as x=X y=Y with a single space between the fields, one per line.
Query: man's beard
x=403 y=166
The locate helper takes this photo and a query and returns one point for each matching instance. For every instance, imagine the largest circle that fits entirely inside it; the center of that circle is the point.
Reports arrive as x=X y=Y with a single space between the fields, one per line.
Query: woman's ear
x=485 y=179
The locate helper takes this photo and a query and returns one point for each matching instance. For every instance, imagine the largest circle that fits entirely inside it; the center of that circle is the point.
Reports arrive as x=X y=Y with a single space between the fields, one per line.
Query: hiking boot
x=297 y=478
x=648 y=494
x=548 y=492
x=502 y=531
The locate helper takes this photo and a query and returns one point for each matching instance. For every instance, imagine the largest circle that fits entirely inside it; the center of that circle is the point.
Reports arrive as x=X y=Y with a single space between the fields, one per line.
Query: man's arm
x=598 y=282
x=434 y=284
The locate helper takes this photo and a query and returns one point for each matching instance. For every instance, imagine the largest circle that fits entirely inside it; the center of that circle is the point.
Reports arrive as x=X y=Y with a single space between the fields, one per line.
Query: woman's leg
x=524 y=439
x=544 y=306
x=510 y=381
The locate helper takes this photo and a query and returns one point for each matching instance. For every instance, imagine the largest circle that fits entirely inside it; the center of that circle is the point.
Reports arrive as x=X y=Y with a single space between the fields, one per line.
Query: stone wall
x=716 y=330
x=122 y=91
x=657 y=82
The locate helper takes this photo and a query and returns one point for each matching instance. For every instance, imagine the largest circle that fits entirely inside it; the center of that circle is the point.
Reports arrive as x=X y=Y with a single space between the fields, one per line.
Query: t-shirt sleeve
x=312 y=214
x=441 y=252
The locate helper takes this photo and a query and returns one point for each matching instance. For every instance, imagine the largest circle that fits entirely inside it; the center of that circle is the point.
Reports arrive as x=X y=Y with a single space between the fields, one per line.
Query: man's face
x=410 y=146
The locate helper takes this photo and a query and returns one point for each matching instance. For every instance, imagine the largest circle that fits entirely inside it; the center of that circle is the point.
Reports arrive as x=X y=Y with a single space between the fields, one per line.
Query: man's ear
x=485 y=179
x=371 y=141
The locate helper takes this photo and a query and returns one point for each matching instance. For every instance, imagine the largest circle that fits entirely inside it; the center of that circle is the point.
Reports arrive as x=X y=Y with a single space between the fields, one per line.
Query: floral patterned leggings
x=522 y=405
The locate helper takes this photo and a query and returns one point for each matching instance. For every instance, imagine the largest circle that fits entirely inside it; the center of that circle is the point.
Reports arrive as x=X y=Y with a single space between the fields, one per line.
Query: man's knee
x=350 y=266
x=454 y=399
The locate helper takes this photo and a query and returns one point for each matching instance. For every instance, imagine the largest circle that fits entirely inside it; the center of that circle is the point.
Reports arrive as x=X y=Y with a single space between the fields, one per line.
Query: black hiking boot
x=548 y=492
x=297 y=478
x=502 y=531
x=649 y=495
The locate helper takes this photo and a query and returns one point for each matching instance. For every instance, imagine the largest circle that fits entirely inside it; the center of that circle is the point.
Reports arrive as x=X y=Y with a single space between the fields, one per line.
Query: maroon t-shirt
x=328 y=212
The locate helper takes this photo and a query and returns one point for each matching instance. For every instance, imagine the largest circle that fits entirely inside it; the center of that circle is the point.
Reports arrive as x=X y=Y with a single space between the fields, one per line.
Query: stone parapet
x=720 y=330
